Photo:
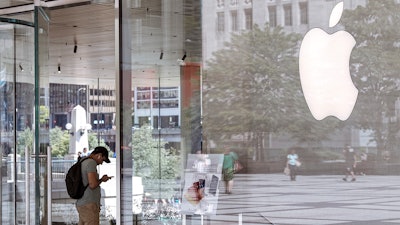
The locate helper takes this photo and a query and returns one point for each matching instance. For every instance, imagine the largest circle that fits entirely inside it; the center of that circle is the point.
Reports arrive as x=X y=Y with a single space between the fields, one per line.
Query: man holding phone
x=89 y=205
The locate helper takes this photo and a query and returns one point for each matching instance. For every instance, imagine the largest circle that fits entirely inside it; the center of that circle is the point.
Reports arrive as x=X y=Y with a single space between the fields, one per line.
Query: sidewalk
x=311 y=200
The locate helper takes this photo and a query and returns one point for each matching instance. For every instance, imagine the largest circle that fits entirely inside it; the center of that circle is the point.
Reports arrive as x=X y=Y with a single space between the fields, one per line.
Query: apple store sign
x=324 y=71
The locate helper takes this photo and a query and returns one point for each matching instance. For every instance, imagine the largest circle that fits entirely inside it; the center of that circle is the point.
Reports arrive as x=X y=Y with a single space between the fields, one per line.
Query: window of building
x=249 y=19
x=303 y=13
x=288 y=15
x=165 y=93
x=234 y=21
x=101 y=120
x=220 y=3
x=220 y=22
x=272 y=16
x=144 y=120
x=234 y=2
x=166 y=121
x=166 y=104
x=143 y=105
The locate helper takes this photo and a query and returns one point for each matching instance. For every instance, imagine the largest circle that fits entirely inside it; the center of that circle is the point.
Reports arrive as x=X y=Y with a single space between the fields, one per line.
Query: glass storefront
x=17 y=119
x=178 y=90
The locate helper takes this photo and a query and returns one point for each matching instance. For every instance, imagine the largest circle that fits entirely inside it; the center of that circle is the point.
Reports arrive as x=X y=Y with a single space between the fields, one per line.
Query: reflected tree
x=149 y=154
x=375 y=68
x=157 y=165
x=59 y=142
x=24 y=141
x=252 y=88
x=94 y=142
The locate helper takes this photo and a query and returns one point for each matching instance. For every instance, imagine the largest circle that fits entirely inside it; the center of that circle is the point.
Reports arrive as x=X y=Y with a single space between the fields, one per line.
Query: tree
x=154 y=163
x=252 y=87
x=375 y=68
x=151 y=159
x=25 y=141
x=44 y=114
x=59 y=142
x=93 y=140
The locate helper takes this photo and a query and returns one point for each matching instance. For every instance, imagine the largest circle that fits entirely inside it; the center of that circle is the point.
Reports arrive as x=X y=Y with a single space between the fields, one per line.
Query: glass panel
x=42 y=155
x=17 y=99
x=78 y=95
x=8 y=132
x=25 y=98
x=258 y=103
x=165 y=82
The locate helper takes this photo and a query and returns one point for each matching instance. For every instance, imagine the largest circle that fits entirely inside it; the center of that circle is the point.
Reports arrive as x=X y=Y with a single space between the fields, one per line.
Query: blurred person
x=228 y=169
x=386 y=156
x=85 y=152
x=79 y=156
x=363 y=164
x=350 y=162
x=292 y=163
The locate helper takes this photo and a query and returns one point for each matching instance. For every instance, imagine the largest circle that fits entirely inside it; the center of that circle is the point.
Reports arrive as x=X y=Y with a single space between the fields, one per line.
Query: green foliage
x=151 y=159
x=375 y=69
x=94 y=141
x=44 y=114
x=319 y=155
x=25 y=141
x=248 y=79
x=59 y=142
x=252 y=86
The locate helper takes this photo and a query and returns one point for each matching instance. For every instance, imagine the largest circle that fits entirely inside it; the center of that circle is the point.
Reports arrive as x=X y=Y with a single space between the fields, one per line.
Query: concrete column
x=78 y=129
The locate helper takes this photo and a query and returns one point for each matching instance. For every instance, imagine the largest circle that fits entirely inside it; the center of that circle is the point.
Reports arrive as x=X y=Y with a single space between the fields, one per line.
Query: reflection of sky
x=365 y=137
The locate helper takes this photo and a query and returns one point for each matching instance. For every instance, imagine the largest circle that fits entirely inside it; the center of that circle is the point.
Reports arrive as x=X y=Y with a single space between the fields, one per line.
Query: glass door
x=42 y=153
x=16 y=121
x=160 y=105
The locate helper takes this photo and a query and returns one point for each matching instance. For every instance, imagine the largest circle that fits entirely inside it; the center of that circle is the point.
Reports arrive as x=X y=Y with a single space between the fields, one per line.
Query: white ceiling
x=91 y=27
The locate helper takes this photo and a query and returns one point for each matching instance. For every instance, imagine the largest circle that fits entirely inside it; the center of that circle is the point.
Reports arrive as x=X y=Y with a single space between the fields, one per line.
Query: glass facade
x=181 y=91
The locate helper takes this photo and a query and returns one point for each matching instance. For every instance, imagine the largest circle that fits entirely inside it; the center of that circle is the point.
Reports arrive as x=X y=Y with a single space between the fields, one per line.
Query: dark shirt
x=349 y=155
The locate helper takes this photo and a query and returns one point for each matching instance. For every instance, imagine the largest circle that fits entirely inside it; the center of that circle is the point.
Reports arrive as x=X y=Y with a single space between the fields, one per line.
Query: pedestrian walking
x=350 y=162
x=362 y=168
x=292 y=163
x=228 y=169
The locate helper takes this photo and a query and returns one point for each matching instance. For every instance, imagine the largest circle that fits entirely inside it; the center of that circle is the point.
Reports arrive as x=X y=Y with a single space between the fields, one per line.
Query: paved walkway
x=311 y=200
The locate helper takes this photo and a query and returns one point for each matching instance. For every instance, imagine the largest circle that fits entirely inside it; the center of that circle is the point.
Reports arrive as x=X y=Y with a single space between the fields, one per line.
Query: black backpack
x=73 y=180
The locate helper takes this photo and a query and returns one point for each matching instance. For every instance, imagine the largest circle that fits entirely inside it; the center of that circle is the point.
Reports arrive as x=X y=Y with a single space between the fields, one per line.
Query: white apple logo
x=324 y=71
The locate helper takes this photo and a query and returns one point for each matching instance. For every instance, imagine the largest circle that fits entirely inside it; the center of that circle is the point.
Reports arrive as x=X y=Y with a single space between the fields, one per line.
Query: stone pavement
x=311 y=200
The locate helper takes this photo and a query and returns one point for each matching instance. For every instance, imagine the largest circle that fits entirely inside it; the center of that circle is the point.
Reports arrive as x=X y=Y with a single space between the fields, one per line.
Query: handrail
x=16 y=21
x=30 y=7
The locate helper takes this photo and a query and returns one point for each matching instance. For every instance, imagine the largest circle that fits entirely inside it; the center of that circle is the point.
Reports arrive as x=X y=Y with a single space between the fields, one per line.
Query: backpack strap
x=81 y=161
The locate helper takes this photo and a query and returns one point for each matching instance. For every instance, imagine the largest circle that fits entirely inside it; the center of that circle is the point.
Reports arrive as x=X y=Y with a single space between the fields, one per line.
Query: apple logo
x=324 y=70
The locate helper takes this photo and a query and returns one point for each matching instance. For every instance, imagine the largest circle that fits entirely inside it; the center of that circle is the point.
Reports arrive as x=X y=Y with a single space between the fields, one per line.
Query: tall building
x=234 y=16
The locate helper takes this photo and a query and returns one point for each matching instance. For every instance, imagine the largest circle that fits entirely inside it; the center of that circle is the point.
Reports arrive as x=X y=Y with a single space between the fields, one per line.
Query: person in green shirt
x=228 y=170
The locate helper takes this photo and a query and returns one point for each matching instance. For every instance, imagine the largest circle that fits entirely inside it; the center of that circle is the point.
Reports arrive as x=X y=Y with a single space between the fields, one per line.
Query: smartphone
x=214 y=185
